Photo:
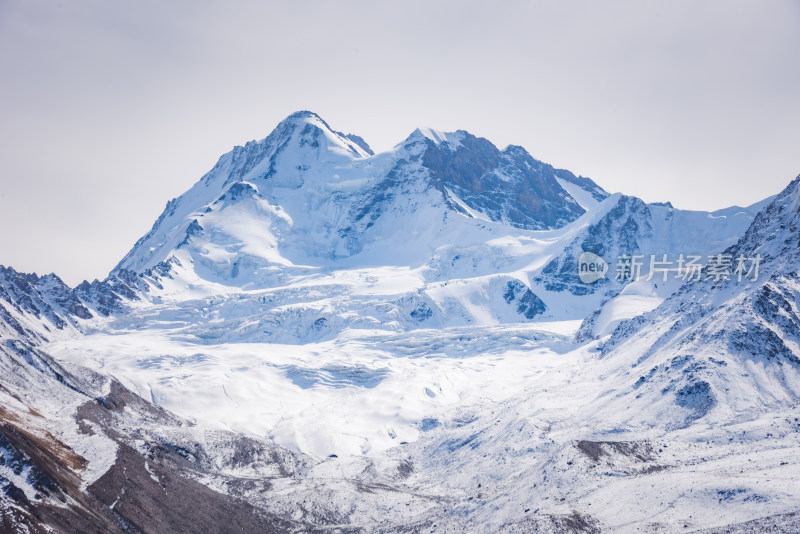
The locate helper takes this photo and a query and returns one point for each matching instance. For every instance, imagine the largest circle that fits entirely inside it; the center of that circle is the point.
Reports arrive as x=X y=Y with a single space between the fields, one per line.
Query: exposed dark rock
x=526 y=302
x=641 y=451
x=619 y=232
x=148 y=498
x=421 y=312
x=509 y=185
x=554 y=524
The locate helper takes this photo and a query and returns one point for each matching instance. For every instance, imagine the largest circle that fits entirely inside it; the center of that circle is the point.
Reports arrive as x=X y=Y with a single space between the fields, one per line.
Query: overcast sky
x=109 y=109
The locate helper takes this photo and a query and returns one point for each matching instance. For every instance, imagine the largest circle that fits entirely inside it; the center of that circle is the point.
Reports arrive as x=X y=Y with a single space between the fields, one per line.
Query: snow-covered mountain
x=307 y=233
x=315 y=336
x=724 y=347
x=307 y=195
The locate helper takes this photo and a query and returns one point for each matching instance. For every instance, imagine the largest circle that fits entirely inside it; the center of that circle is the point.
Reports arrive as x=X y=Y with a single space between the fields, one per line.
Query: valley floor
x=489 y=428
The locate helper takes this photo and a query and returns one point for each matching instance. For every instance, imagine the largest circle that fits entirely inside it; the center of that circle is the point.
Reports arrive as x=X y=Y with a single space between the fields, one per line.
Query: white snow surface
x=403 y=346
x=266 y=326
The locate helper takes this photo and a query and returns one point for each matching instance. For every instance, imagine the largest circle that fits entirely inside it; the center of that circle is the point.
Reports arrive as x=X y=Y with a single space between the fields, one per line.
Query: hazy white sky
x=109 y=109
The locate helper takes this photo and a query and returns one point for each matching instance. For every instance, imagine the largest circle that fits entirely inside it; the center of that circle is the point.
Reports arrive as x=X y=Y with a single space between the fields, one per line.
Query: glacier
x=400 y=341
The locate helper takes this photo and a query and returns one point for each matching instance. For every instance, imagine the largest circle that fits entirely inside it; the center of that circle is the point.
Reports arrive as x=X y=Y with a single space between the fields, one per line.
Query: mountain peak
x=303 y=114
x=310 y=128
x=304 y=117
x=453 y=139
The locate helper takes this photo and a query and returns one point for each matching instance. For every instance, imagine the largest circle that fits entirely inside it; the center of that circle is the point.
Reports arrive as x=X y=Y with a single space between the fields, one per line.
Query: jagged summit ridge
x=312 y=125
x=309 y=183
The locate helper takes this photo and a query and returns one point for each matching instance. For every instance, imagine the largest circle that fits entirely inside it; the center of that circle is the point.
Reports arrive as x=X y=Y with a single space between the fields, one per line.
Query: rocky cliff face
x=503 y=185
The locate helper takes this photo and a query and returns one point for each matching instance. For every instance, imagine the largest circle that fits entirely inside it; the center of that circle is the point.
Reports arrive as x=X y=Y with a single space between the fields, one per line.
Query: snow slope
x=257 y=281
x=409 y=331
x=724 y=348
